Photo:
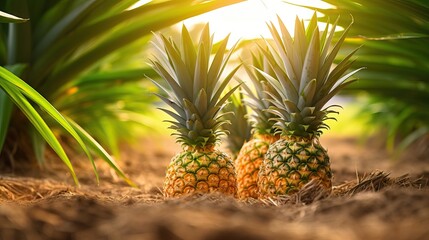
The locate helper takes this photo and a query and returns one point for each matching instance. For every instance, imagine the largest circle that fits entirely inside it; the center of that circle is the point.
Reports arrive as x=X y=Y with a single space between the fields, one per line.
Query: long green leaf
x=6 y=105
x=65 y=32
x=33 y=116
x=5 y=115
x=146 y=24
x=21 y=88
x=80 y=36
x=99 y=150
x=39 y=145
x=19 y=36
x=9 y=18
x=65 y=25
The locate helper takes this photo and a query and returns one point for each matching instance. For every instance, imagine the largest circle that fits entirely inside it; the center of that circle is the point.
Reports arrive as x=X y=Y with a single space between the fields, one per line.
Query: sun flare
x=247 y=20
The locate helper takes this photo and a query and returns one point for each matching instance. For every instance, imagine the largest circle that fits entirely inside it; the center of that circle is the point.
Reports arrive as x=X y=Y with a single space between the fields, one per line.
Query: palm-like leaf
x=16 y=89
x=68 y=48
x=9 y=18
x=395 y=36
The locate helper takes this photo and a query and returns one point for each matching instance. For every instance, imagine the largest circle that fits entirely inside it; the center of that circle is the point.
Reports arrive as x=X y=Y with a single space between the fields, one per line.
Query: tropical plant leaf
x=76 y=53
x=144 y=24
x=6 y=106
x=34 y=117
x=394 y=36
x=9 y=18
x=39 y=145
x=16 y=89
x=99 y=150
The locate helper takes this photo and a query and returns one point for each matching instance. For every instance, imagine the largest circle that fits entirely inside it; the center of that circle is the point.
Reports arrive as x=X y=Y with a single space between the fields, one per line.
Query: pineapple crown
x=239 y=130
x=305 y=78
x=195 y=86
x=262 y=120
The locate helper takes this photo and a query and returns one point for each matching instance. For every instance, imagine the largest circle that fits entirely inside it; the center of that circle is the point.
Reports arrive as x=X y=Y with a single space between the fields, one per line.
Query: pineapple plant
x=239 y=128
x=305 y=79
x=196 y=84
x=252 y=153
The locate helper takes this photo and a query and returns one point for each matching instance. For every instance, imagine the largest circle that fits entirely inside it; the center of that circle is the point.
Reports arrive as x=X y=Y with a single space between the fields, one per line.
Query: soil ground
x=374 y=197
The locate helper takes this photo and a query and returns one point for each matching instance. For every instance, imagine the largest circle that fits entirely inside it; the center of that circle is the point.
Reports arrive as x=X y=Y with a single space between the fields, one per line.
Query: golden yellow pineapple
x=200 y=170
x=305 y=80
x=196 y=86
x=252 y=153
x=248 y=163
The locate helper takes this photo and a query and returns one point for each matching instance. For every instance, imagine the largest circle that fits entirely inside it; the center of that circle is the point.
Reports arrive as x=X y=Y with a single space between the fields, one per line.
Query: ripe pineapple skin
x=200 y=170
x=248 y=163
x=290 y=163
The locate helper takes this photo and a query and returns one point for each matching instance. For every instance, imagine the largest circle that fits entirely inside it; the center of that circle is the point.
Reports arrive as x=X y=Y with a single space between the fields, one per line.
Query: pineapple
x=252 y=153
x=196 y=84
x=239 y=128
x=305 y=80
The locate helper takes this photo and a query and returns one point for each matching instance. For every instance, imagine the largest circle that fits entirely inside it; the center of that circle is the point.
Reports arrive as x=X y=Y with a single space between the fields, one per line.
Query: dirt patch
x=373 y=197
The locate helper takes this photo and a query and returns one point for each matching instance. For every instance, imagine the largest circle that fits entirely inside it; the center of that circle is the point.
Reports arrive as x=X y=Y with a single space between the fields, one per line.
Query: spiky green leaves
x=239 y=131
x=196 y=84
x=256 y=98
x=305 y=77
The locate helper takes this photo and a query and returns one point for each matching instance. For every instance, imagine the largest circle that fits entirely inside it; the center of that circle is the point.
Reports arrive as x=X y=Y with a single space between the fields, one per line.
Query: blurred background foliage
x=87 y=58
x=394 y=35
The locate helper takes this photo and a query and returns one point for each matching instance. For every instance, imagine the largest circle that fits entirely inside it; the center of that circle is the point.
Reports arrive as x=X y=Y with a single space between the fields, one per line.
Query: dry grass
x=367 y=206
x=375 y=181
x=26 y=190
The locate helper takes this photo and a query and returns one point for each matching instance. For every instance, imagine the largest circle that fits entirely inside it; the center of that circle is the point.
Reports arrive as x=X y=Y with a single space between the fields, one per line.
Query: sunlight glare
x=247 y=20
x=138 y=4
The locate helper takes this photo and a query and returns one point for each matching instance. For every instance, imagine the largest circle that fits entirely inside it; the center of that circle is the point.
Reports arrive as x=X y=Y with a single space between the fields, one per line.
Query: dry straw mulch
x=372 y=182
x=22 y=190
